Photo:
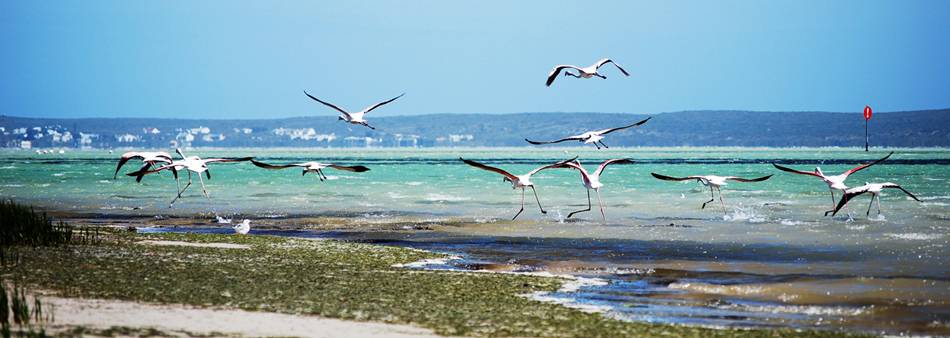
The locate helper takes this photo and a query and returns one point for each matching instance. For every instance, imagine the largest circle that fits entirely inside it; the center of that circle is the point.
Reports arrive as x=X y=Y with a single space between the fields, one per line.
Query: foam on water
x=916 y=236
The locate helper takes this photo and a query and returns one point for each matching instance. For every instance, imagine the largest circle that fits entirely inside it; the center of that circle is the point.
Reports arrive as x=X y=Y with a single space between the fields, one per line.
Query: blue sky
x=241 y=59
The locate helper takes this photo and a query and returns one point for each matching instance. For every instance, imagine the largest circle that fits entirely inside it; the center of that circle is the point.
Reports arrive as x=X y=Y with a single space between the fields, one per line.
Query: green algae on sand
x=327 y=278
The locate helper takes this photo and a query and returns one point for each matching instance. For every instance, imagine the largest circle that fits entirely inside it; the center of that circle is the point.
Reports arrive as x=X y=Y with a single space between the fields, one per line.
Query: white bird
x=357 y=117
x=591 y=137
x=243 y=228
x=222 y=220
x=835 y=182
x=518 y=181
x=192 y=164
x=149 y=158
x=592 y=181
x=312 y=167
x=583 y=72
x=713 y=182
x=874 y=189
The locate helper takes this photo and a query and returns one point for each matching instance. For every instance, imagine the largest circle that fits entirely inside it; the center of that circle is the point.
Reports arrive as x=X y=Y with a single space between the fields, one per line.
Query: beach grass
x=327 y=278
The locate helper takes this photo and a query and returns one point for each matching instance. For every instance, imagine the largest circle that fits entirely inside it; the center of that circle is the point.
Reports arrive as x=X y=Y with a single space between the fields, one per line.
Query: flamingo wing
x=608 y=131
x=860 y=167
x=276 y=167
x=382 y=103
x=896 y=186
x=600 y=169
x=740 y=179
x=670 y=178
x=489 y=168
x=328 y=104
x=355 y=168
x=561 y=164
x=571 y=138
x=787 y=169
x=125 y=158
x=555 y=72
x=606 y=61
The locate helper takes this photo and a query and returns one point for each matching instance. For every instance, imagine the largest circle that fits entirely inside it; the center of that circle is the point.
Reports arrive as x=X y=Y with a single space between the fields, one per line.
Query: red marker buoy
x=867 y=118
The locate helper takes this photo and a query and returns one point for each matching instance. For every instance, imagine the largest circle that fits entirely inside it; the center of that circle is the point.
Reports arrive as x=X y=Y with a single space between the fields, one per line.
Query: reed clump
x=21 y=225
x=18 y=317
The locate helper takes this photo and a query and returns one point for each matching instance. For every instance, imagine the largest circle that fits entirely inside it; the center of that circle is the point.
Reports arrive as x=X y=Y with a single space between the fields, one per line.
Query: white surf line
x=570 y=284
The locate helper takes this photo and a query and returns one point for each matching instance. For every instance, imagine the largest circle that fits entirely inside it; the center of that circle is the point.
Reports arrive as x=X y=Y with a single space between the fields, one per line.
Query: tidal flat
x=328 y=278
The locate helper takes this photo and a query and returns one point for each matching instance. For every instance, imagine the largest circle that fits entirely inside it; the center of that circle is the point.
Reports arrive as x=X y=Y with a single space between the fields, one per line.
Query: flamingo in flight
x=192 y=164
x=834 y=182
x=583 y=72
x=149 y=159
x=518 y=181
x=591 y=137
x=874 y=189
x=592 y=181
x=355 y=117
x=312 y=167
x=714 y=183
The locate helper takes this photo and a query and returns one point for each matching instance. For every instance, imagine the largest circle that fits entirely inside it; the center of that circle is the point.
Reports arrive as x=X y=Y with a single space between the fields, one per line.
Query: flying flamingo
x=592 y=181
x=874 y=189
x=589 y=137
x=312 y=167
x=192 y=164
x=149 y=158
x=713 y=182
x=583 y=72
x=835 y=182
x=518 y=181
x=356 y=117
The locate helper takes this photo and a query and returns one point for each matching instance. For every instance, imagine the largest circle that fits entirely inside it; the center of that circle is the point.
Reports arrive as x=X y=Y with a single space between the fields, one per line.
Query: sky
x=243 y=59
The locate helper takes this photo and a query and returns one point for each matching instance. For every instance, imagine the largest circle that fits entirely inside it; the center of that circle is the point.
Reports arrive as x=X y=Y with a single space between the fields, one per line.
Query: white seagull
x=192 y=164
x=312 y=167
x=874 y=189
x=591 y=137
x=357 y=117
x=583 y=72
x=713 y=182
x=835 y=182
x=518 y=181
x=149 y=158
x=243 y=228
x=592 y=181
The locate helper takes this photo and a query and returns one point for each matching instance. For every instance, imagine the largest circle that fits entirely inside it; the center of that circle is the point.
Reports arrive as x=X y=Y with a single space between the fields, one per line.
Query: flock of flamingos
x=155 y=162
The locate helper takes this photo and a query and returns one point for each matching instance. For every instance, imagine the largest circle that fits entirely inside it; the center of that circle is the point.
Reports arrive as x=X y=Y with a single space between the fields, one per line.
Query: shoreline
x=345 y=287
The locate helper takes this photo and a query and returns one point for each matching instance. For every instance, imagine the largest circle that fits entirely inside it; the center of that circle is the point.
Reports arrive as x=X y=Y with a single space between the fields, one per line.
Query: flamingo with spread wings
x=518 y=181
x=592 y=181
x=834 y=182
x=714 y=183
x=591 y=137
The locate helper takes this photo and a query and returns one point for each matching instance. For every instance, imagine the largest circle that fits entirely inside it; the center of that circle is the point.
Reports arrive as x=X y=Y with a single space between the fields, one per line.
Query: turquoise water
x=771 y=259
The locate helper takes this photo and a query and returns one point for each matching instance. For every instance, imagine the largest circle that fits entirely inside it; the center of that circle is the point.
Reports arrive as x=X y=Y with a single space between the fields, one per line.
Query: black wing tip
x=533 y=142
x=359 y=168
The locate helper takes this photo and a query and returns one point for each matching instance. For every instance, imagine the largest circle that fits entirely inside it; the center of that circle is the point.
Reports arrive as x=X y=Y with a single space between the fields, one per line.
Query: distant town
x=928 y=128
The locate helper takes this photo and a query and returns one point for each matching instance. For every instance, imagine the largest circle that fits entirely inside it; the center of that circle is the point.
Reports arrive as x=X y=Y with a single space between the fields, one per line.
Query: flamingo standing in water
x=518 y=181
x=714 y=183
x=583 y=72
x=312 y=167
x=590 y=137
x=834 y=182
x=149 y=158
x=874 y=189
x=355 y=117
x=592 y=181
x=192 y=164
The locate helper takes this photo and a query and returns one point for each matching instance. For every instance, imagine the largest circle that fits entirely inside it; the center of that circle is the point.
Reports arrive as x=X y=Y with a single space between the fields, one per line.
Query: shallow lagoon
x=771 y=260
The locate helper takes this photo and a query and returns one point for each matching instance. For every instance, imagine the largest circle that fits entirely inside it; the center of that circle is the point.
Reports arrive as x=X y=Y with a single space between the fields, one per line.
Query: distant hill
x=925 y=128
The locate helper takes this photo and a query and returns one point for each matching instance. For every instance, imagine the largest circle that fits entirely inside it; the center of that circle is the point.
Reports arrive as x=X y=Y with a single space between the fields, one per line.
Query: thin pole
x=865 y=135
